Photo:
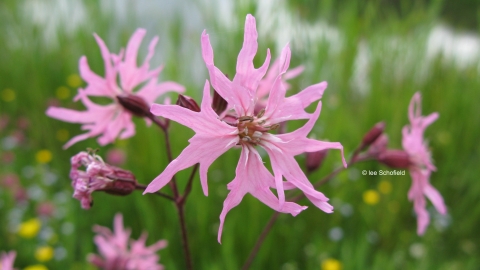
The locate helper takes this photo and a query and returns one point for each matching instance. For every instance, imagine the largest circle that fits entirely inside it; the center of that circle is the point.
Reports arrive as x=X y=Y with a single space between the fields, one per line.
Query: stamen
x=246 y=139
x=262 y=122
x=274 y=126
x=245 y=118
x=245 y=131
x=257 y=134
x=261 y=113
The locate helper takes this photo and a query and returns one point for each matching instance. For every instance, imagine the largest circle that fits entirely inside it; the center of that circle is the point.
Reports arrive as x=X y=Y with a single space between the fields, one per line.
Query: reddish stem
x=177 y=199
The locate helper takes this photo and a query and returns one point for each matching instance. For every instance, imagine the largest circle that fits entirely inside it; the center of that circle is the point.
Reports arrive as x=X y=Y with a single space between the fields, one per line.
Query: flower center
x=252 y=128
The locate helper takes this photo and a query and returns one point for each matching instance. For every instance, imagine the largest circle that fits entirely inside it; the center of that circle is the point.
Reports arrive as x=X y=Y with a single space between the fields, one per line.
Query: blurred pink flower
x=7 y=259
x=421 y=164
x=98 y=176
x=46 y=209
x=119 y=252
x=114 y=120
x=4 y=119
x=116 y=156
x=214 y=137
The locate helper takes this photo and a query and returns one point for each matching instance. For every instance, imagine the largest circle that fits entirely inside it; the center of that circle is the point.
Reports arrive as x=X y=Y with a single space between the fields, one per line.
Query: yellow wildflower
x=8 y=95
x=29 y=228
x=43 y=156
x=44 y=254
x=331 y=264
x=371 y=197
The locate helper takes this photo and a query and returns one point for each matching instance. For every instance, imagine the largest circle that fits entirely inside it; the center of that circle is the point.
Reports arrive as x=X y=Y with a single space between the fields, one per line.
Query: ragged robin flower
x=115 y=120
x=249 y=130
x=119 y=252
x=421 y=164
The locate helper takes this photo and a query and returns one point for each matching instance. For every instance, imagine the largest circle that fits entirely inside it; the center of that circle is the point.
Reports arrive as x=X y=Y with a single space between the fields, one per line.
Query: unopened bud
x=398 y=159
x=123 y=182
x=187 y=102
x=134 y=104
x=378 y=146
x=372 y=135
x=314 y=160
x=219 y=104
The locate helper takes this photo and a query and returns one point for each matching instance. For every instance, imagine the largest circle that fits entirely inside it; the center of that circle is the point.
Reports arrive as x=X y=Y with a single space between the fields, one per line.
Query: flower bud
x=187 y=102
x=98 y=176
x=313 y=160
x=398 y=159
x=372 y=135
x=134 y=104
x=378 y=146
x=219 y=104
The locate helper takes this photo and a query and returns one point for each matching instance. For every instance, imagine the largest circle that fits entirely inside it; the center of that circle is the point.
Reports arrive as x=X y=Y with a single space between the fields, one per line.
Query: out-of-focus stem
x=178 y=200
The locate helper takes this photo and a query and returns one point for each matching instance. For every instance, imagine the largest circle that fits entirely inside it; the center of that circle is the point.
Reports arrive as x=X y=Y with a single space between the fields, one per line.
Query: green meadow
x=374 y=55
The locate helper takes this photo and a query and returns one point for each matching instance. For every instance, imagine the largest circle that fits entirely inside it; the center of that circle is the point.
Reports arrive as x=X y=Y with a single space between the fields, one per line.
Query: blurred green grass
x=34 y=69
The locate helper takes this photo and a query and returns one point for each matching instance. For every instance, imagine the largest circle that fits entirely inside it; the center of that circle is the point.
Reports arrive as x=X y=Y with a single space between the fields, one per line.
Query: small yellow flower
x=371 y=197
x=36 y=267
x=44 y=254
x=43 y=156
x=62 y=135
x=8 y=95
x=385 y=187
x=74 y=81
x=29 y=228
x=63 y=92
x=331 y=264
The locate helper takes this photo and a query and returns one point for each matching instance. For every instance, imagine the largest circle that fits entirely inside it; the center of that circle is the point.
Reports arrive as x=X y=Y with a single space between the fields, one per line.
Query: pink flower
x=115 y=120
x=421 y=164
x=7 y=259
x=119 y=252
x=98 y=176
x=214 y=137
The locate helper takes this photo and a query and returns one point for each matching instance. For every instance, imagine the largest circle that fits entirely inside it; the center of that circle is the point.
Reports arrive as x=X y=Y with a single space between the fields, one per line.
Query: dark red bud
x=313 y=160
x=123 y=182
x=218 y=104
x=378 y=146
x=372 y=135
x=398 y=159
x=187 y=102
x=134 y=104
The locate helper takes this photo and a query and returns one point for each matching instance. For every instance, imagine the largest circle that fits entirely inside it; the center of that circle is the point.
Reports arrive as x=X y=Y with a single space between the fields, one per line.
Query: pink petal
x=434 y=196
x=235 y=95
x=203 y=150
x=277 y=93
x=289 y=168
x=151 y=91
x=296 y=142
x=249 y=48
x=130 y=74
x=294 y=106
x=252 y=177
x=97 y=86
x=72 y=116
x=110 y=73
x=294 y=72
